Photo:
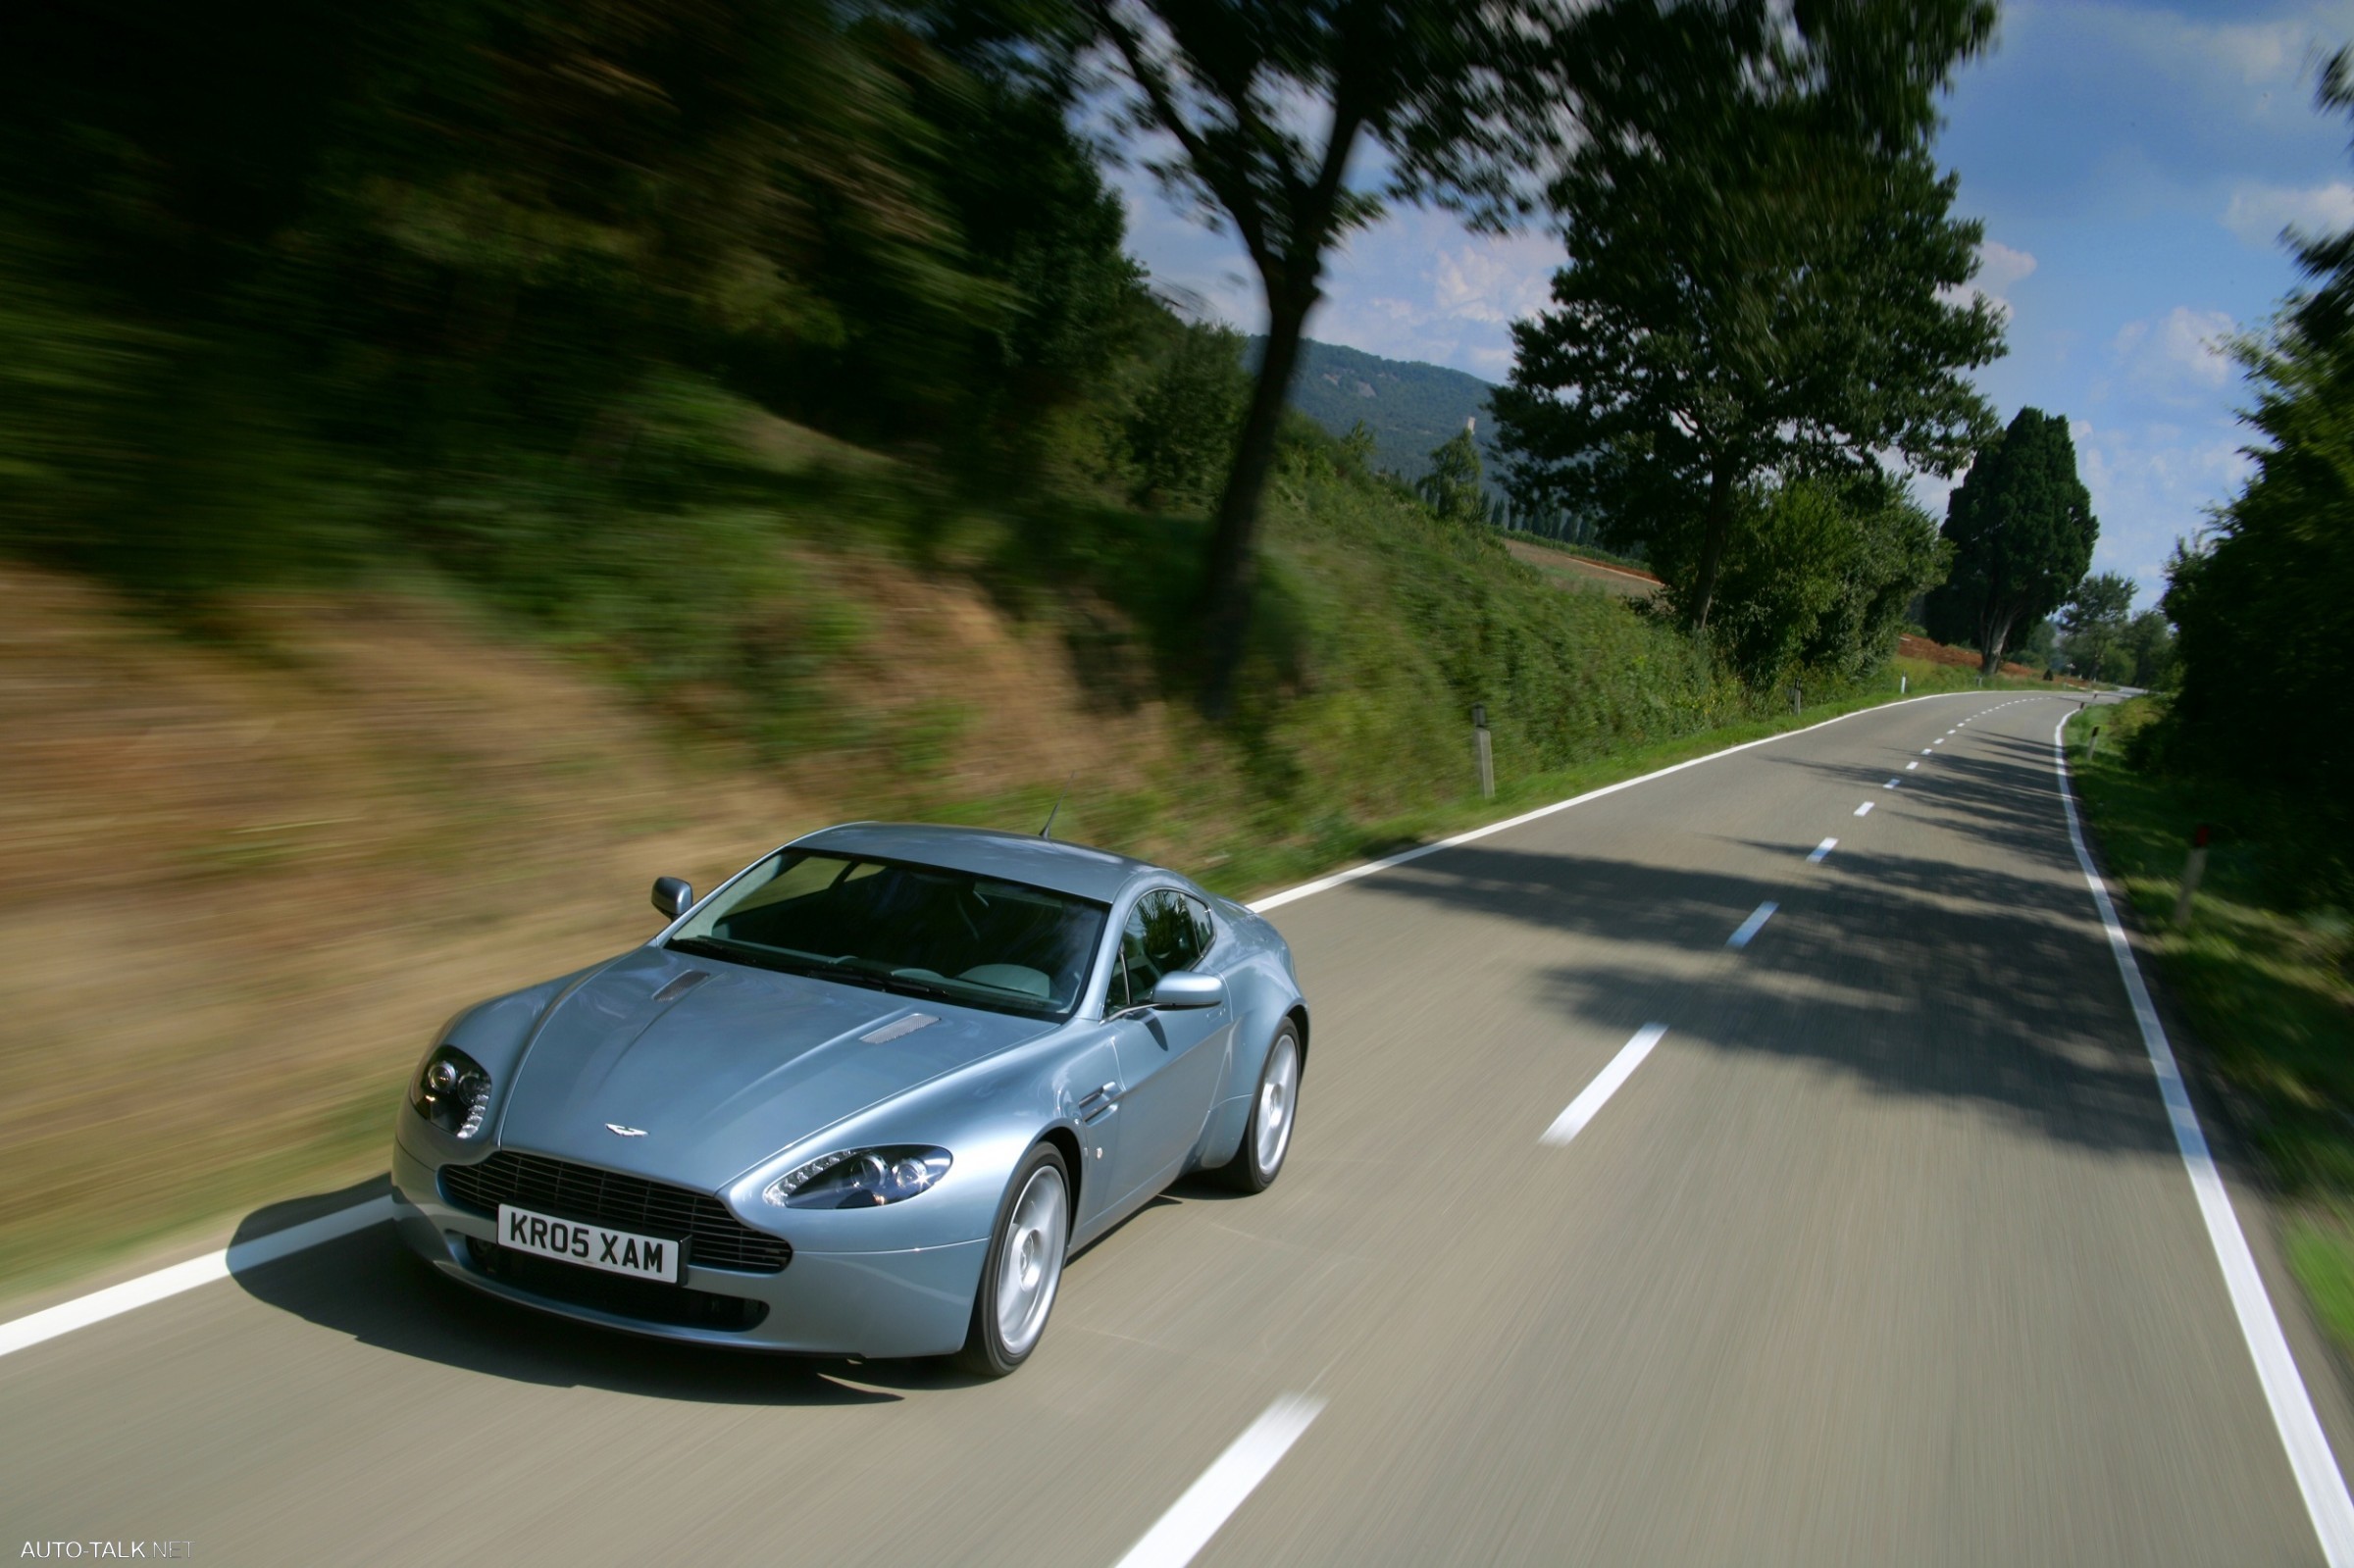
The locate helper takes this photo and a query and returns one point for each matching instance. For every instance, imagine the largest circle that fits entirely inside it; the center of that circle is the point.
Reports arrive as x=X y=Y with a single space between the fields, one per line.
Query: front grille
x=570 y=1191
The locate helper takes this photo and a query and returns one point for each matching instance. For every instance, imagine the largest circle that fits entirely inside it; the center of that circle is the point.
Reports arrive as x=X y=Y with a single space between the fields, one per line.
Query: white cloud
x=2152 y=484
x=2258 y=213
x=1417 y=287
x=2178 y=355
x=1999 y=267
x=1497 y=280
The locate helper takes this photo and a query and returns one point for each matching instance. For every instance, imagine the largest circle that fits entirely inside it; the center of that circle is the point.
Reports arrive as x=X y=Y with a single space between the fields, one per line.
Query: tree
x=1762 y=277
x=1266 y=104
x=2094 y=620
x=1453 y=488
x=1181 y=431
x=2022 y=526
x=2263 y=607
x=1818 y=573
x=2149 y=642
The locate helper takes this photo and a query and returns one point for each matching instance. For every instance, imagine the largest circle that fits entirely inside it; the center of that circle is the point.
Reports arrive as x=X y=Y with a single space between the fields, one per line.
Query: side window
x=1165 y=931
x=1171 y=939
x=1206 y=934
x=1115 y=989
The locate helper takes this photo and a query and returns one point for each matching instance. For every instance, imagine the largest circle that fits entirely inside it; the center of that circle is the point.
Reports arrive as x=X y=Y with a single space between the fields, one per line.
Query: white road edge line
x=1232 y=1477
x=1276 y=900
x=1864 y=810
x=2317 y=1475
x=1822 y=851
x=1573 y=1121
x=1752 y=925
x=99 y=1306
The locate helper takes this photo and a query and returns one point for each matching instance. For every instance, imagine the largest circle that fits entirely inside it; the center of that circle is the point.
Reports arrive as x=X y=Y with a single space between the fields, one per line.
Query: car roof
x=1049 y=863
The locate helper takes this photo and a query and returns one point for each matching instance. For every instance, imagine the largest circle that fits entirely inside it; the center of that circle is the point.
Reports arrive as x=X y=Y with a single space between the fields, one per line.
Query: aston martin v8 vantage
x=863 y=1099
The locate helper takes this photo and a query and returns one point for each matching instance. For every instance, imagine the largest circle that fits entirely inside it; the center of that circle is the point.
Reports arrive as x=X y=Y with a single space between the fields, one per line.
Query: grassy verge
x=2264 y=983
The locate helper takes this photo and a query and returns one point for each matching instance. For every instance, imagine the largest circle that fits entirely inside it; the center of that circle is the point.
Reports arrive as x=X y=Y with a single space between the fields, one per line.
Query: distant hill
x=1410 y=407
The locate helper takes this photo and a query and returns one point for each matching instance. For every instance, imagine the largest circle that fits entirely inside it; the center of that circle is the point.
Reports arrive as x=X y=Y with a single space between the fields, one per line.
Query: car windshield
x=913 y=930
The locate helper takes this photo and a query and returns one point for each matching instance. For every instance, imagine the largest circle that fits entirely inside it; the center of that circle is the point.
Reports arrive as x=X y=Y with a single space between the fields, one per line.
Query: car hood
x=721 y=1066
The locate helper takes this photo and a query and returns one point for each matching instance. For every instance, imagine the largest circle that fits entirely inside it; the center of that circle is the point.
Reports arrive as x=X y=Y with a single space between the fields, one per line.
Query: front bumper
x=913 y=1302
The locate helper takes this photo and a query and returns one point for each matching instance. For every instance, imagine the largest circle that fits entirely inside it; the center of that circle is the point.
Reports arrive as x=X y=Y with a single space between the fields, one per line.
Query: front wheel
x=1024 y=1267
x=1267 y=1137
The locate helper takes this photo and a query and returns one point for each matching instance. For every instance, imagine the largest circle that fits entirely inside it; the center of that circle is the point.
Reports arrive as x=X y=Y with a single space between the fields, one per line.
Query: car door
x=1169 y=1061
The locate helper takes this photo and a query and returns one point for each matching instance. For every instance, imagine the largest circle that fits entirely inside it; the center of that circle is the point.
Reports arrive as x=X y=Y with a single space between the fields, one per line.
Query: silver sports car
x=864 y=1100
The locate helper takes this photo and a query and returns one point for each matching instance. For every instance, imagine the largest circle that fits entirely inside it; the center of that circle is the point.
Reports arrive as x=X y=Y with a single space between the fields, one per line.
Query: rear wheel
x=1267 y=1135
x=1023 y=1269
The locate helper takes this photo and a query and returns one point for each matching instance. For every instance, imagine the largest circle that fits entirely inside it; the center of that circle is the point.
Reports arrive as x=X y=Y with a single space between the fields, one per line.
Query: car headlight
x=452 y=1092
x=860 y=1177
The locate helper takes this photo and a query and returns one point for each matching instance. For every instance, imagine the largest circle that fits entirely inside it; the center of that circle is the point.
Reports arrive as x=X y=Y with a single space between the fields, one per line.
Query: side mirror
x=673 y=896
x=1186 y=987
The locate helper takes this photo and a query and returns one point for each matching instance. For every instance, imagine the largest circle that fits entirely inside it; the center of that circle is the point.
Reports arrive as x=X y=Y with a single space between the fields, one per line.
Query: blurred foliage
x=2265 y=606
x=2264 y=602
x=1180 y=431
x=295 y=282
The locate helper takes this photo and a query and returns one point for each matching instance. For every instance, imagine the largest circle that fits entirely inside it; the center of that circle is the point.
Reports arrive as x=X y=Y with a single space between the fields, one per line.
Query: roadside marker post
x=1483 y=751
x=2194 y=867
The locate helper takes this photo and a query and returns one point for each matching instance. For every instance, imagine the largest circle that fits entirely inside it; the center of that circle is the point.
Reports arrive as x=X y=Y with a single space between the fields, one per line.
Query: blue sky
x=2133 y=163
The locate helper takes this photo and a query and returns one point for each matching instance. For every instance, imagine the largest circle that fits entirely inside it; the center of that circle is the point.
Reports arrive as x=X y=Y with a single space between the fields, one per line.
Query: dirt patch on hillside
x=1910 y=646
x=247 y=883
x=1576 y=570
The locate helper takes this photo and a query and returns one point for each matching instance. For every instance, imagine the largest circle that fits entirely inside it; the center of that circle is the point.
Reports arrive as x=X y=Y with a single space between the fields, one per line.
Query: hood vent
x=681 y=986
x=898 y=1029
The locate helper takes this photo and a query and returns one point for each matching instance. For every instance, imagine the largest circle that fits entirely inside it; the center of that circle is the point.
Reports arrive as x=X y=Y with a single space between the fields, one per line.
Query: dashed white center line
x=1752 y=925
x=1890 y=785
x=1822 y=851
x=1210 y=1501
x=1924 y=751
x=1573 y=1121
x=1864 y=810
x=1910 y=766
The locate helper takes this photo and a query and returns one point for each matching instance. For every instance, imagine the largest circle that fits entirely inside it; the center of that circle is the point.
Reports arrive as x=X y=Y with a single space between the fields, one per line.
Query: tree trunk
x=1719 y=525
x=1233 y=567
x=1993 y=631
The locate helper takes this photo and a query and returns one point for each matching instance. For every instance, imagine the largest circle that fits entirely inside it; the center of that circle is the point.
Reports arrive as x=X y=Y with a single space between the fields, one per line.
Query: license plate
x=640 y=1257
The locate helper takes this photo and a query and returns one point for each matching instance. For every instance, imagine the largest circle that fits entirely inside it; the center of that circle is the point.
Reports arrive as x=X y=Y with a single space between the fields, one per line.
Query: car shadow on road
x=369 y=1286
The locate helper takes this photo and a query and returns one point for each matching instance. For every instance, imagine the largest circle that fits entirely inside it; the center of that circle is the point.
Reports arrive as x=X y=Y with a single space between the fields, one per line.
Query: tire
x=1274 y=1106
x=1023 y=1268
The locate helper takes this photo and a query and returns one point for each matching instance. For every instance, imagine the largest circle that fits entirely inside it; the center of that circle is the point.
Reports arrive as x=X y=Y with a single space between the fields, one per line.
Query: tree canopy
x=1764 y=277
x=2022 y=529
x=2094 y=622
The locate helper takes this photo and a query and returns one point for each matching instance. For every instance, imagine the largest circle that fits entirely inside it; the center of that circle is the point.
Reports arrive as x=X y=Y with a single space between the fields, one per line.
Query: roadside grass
x=2267 y=984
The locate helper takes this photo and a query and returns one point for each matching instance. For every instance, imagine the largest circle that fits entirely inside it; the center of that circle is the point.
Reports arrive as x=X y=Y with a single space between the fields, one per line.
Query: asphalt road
x=1884 y=1254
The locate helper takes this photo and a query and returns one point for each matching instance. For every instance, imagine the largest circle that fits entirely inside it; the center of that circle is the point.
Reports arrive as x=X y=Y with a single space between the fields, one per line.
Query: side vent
x=898 y=1029
x=681 y=986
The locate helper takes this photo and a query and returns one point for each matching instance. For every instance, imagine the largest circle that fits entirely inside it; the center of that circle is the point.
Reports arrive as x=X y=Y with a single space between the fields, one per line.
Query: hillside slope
x=253 y=871
x=1408 y=406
